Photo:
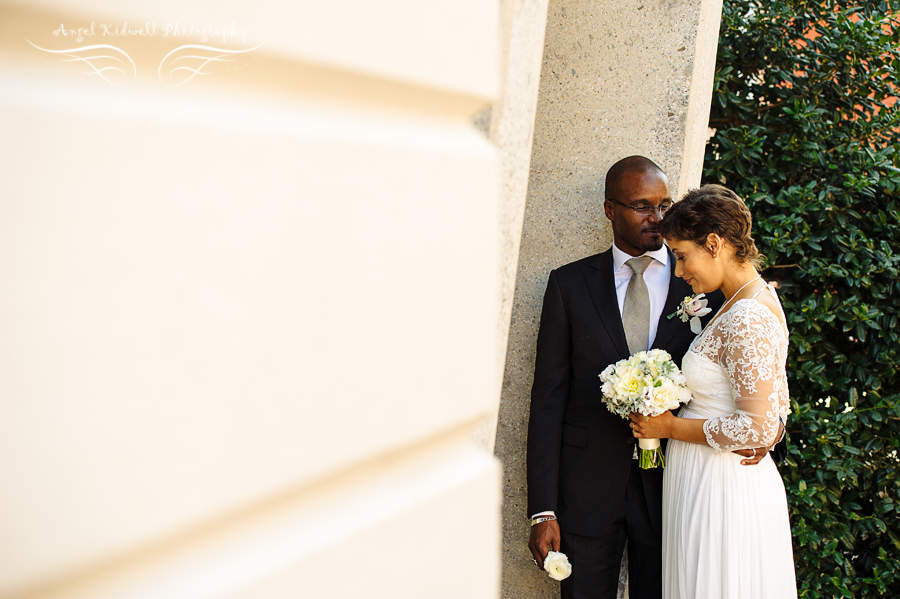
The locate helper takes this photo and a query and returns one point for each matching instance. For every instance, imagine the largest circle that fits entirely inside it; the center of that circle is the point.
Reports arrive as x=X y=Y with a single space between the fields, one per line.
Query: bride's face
x=695 y=265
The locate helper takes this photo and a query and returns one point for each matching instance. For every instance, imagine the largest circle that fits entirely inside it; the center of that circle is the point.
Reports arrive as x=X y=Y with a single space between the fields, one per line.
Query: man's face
x=635 y=233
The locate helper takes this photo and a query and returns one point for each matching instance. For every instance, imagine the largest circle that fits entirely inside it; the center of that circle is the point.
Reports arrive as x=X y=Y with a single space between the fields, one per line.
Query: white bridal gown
x=726 y=533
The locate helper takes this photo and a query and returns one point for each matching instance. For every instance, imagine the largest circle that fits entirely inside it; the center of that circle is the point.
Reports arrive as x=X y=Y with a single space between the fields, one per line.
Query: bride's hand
x=653 y=427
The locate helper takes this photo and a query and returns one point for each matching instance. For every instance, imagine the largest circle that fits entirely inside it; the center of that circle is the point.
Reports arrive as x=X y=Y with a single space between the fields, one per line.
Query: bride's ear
x=714 y=244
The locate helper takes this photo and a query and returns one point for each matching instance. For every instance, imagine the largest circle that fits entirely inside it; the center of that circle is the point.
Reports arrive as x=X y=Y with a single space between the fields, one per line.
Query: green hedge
x=807 y=133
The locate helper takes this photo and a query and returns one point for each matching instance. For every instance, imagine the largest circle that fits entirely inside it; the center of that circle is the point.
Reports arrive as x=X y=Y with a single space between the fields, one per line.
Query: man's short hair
x=631 y=164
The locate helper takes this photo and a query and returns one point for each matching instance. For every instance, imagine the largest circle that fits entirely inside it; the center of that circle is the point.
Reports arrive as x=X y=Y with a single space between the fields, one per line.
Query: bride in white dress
x=726 y=531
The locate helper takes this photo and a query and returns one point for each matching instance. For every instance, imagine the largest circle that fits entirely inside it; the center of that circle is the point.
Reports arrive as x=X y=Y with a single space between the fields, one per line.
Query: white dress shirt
x=656 y=277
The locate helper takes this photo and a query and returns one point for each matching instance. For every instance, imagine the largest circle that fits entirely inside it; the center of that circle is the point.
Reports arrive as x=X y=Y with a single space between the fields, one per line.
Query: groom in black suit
x=581 y=466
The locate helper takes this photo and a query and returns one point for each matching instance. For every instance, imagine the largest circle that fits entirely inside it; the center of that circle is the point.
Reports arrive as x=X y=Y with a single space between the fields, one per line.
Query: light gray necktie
x=636 y=310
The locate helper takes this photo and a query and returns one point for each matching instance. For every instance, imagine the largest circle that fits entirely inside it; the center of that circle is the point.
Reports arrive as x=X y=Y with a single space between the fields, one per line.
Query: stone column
x=509 y=123
x=619 y=77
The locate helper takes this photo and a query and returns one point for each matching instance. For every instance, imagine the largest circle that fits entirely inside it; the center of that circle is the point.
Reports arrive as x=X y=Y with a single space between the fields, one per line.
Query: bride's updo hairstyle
x=712 y=209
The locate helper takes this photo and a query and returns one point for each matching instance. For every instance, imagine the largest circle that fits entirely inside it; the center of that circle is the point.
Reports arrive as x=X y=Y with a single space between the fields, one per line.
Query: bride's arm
x=753 y=354
x=668 y=426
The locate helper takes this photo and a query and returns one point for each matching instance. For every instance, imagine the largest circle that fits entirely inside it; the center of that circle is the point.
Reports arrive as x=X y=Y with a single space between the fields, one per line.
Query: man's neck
x=620 y=256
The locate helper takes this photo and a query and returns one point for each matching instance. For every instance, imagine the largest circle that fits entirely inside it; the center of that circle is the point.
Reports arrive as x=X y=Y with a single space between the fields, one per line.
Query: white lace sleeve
x=753 y=353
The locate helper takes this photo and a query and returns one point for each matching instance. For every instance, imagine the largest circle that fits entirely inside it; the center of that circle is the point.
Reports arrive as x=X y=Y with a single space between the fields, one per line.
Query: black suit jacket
x=580 y=453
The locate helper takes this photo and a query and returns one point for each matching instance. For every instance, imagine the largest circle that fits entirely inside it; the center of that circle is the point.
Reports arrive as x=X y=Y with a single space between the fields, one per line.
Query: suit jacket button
x=630 y=440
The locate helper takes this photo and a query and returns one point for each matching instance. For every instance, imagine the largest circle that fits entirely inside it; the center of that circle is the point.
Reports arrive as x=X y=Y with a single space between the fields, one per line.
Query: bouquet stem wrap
x=651 y=455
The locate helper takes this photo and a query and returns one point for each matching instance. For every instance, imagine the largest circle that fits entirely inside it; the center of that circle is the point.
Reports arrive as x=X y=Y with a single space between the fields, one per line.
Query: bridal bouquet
x=649 y=383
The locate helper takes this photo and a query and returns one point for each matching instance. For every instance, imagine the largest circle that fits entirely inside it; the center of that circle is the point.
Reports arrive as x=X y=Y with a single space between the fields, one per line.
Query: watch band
x=542 y=519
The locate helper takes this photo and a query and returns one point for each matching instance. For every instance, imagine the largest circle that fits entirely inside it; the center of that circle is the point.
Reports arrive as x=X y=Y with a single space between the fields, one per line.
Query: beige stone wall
x=619 y=77
x=509 y=123
x=249 y=324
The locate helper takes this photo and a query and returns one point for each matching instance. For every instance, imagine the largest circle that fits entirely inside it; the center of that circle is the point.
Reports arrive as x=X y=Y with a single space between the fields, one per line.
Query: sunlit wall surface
x=248 y=299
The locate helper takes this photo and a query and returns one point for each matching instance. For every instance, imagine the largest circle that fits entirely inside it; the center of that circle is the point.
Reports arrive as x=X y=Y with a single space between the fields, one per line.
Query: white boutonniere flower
x=691 y=309
x=557 y=565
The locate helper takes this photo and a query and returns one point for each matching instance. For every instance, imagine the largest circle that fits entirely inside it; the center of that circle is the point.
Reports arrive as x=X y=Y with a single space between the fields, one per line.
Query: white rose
x=557 y=565
x=607 y=389
x=678 y=378
x=659 y=355
x=607 y=372
x=630 y=383
x=665 y=397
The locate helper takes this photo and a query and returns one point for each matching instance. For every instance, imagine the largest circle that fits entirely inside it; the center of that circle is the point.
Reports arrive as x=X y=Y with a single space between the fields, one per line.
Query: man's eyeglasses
x=645 y=209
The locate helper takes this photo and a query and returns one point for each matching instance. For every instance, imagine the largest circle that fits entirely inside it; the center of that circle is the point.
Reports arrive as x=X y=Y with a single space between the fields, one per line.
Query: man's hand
x=544 y=537
x=754 y=456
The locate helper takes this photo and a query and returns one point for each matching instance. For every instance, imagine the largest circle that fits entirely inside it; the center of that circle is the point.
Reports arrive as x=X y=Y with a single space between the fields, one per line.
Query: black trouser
x=596 y=561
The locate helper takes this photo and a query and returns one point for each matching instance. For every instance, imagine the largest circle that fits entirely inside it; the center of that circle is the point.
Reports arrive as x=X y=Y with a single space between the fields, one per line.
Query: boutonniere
x=692 y=308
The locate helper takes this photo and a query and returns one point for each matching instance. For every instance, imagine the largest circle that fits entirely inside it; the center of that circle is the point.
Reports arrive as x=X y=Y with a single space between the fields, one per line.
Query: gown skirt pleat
x=726 y=530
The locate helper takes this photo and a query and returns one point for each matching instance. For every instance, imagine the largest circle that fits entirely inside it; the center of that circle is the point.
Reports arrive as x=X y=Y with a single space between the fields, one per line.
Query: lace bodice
x=736 y=371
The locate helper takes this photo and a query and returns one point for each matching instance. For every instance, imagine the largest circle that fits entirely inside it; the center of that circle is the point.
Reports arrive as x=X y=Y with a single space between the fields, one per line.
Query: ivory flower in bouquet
x=691 y=309
x=648 y=383
x=557 y=565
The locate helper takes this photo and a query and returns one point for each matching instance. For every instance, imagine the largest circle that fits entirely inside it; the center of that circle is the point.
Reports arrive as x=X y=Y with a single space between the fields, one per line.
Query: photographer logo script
x=113 y=65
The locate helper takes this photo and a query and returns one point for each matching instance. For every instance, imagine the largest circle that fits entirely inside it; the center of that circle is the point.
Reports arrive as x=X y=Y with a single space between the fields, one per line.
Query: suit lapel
x=601 y=283
x=678 y=290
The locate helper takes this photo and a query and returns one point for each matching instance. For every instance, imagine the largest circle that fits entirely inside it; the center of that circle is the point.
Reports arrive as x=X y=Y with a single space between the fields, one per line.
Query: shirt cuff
x=539 y=514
